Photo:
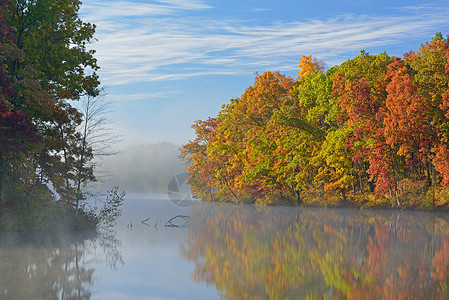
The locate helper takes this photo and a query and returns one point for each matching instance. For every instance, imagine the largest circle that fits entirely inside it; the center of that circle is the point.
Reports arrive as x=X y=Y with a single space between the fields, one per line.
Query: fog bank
x=141 y=168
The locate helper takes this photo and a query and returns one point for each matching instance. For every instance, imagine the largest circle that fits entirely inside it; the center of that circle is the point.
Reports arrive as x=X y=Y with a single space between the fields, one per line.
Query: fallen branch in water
x=144 y=222
x=170 y=223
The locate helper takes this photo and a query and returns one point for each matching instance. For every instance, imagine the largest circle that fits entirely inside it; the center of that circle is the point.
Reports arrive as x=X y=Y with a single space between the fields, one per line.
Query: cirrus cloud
x=141 y=42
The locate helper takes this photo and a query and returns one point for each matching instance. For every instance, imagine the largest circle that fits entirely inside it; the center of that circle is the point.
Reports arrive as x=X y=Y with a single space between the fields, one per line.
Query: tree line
x=371 y=131
x=45 y=68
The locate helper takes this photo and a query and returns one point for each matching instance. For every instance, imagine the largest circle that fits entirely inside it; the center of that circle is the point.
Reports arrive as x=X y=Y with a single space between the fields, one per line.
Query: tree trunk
x=429 y=171
x=80 y=171
x=83 y=153
x=298 y=196
x=371 y=186
x=433 y=188
x=360 y=182
x=343 y=195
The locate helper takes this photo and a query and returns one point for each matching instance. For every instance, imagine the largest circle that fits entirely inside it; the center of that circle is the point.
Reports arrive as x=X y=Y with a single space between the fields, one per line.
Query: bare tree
x=97 y=139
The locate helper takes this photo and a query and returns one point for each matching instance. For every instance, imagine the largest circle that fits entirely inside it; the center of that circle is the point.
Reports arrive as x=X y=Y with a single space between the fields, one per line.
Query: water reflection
x=241 y=251
x=315 y=253
x=43 y=265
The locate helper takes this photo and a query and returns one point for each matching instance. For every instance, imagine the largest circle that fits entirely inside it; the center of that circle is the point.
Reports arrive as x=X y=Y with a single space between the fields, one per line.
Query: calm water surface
x=235 y=252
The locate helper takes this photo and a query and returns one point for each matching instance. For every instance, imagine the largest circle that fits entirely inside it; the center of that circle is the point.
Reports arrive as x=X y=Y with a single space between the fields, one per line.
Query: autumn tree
x=407 y=125
x=202 y=169
x=256 y=109
x=359 y=87
x=305 y=122
x=309 y=65
x=236 y=142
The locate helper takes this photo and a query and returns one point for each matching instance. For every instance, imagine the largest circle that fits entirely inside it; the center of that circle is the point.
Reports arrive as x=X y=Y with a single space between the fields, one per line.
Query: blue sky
x=168 y=63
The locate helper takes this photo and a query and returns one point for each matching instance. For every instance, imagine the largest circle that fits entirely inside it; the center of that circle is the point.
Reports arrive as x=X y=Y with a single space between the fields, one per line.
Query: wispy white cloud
x=160 y=45
x=140 y=96
x=186 y=4
x=109 y=10
x=259 y=9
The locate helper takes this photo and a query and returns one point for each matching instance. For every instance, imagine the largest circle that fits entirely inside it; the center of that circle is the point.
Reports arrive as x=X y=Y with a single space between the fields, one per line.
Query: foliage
x=111 y=209
x=362 y=132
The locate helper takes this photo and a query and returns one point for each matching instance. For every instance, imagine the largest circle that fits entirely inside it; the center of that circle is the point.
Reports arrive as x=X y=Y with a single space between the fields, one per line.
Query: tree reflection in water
x=316 y=253
x=53 y=265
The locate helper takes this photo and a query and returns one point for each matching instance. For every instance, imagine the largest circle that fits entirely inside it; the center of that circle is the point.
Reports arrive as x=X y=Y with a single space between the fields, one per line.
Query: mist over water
x=132 y=260
x=233 y=251
x=152 y=265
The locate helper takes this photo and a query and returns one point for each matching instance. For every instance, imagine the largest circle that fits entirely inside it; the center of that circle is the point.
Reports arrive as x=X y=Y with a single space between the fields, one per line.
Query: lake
x=159 y=250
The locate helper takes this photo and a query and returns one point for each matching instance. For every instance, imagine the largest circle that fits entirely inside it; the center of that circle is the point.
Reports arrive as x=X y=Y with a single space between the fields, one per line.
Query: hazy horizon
x=141 y=169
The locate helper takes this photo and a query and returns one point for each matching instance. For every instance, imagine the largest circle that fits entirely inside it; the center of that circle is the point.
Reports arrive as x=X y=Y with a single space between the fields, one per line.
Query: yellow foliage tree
x=309 y=65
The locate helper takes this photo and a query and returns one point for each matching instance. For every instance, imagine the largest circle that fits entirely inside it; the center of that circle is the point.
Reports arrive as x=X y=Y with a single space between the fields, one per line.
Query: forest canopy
x=372 y=131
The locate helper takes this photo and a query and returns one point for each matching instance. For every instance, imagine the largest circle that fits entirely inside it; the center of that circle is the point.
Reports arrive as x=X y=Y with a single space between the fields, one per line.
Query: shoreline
x=335 y=205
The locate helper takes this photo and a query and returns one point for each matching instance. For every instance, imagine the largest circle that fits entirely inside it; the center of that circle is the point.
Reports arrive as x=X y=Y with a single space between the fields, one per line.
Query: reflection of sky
x=153 y=267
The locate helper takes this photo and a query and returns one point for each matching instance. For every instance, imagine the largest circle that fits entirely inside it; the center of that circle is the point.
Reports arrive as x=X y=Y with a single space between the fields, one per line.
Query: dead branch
x=144 y=222
x=170 y=223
